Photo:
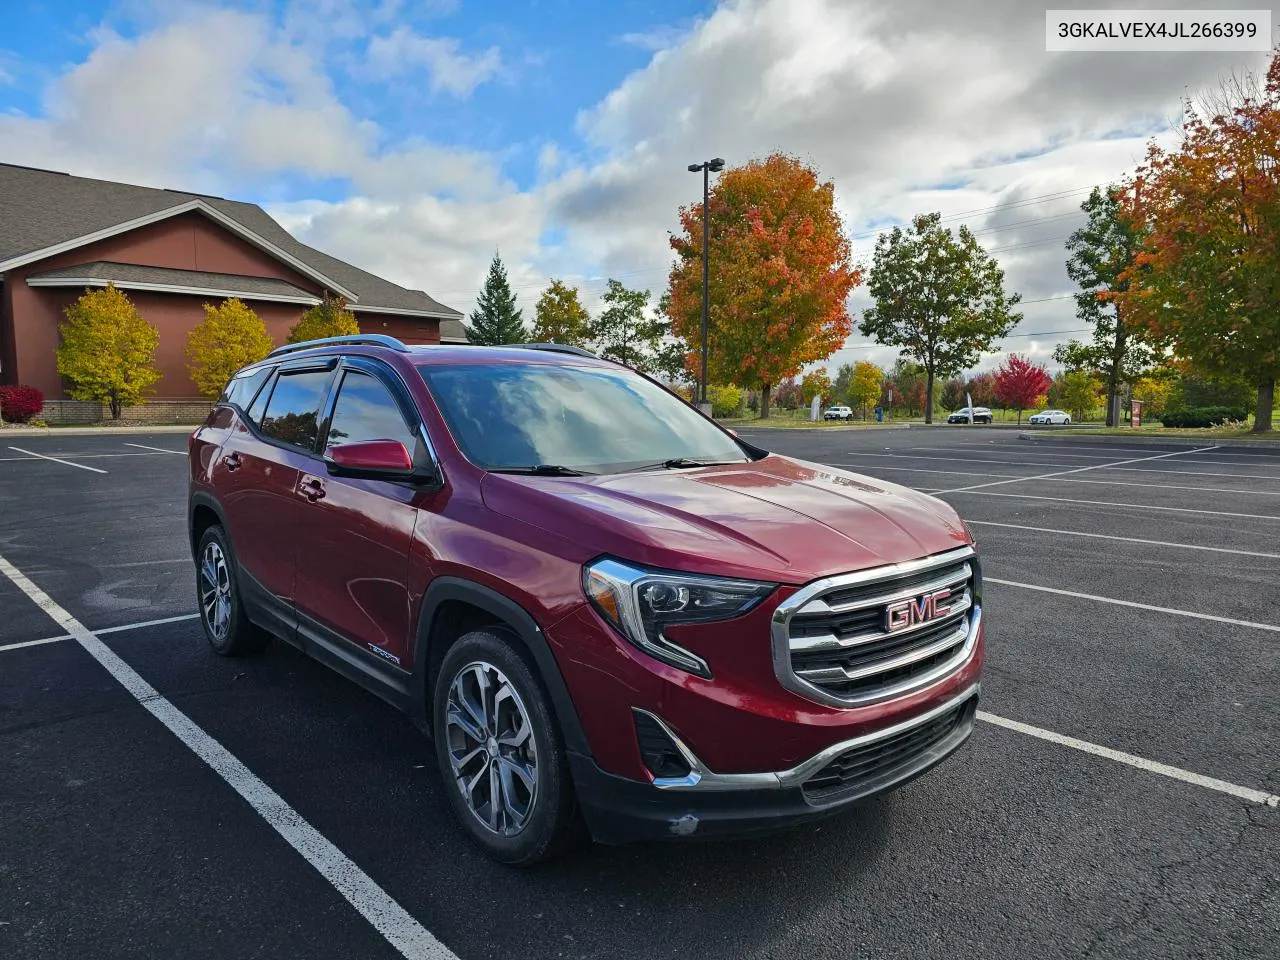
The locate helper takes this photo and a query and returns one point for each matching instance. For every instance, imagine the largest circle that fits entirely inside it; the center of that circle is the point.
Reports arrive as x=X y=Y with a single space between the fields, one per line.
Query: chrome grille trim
x=963 y=640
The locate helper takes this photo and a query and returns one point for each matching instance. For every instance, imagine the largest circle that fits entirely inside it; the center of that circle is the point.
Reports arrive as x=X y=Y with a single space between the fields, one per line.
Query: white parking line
x=1150 y=766
x=105 y=630
x=41 y=456
x=401 y=930
x=1108 y=536
x=1064 y=473
x=1099 y=453
x=1251 y=624
x=143 y=446
x=1113 y=503
x=1024 y=463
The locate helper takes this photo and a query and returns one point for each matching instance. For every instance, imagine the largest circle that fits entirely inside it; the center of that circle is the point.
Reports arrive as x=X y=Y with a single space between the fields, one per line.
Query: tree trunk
x=115 y=408
x=928 y=396
x=764 y=401
x=1266 y=401
x=1019 y=416
x=1113 y=375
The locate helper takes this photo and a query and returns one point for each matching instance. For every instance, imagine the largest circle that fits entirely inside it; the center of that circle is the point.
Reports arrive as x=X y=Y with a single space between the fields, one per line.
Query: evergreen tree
x=496 y=319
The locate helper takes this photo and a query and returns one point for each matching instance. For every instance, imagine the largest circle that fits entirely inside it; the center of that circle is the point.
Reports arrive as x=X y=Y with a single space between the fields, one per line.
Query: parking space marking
x=1024 y=463
x=1251 y=624
x=1218 y=452
x=401 y=930
x=1150 y=766
x=41 y=456
x=105 y=630
x=949 y=473
x=1109 y=536
x=143 y=446
x=1064 y=473
x=1113 y=503
x=1165 y=486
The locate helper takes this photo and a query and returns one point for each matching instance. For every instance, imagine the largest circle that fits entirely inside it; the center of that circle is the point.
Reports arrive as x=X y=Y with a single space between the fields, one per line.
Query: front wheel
x=500 y=753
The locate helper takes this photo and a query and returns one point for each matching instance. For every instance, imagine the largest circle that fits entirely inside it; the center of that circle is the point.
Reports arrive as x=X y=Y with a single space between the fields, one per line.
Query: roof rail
x=363 y=339
x=555 y=348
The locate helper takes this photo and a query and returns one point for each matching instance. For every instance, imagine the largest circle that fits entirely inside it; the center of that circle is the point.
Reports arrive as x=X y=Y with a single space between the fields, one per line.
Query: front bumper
x=706 y=804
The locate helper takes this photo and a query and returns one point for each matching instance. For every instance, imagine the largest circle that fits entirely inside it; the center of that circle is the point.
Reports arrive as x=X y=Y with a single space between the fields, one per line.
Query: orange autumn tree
x=781 y=269
x=1206 y=280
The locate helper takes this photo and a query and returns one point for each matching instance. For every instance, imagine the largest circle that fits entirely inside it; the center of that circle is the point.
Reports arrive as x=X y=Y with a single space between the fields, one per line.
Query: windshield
x=517 y=416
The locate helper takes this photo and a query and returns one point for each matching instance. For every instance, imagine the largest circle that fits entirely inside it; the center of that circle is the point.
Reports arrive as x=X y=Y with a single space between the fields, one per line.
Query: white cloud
x=403 y=52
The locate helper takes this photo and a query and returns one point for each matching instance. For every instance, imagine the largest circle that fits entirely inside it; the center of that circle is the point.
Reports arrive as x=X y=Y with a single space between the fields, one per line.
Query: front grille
x=866 y=768
x=870 y=635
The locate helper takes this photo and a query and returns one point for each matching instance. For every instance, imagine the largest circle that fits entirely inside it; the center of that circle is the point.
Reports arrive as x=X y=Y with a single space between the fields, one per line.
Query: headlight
x=642 y=603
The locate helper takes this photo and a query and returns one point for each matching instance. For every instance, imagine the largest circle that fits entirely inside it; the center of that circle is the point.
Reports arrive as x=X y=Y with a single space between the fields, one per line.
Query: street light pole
x=707 y=168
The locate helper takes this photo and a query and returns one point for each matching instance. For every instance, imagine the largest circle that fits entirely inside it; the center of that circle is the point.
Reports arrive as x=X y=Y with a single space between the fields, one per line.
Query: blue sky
x=556 y=57
x=416 y=137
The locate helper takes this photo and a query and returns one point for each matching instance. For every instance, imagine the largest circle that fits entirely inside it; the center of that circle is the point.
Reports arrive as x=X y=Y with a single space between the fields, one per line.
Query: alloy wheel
x=215 y=591
x=492 y=750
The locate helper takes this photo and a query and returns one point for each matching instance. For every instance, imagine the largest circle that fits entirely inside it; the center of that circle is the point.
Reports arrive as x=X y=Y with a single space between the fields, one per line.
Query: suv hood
x=777 y=519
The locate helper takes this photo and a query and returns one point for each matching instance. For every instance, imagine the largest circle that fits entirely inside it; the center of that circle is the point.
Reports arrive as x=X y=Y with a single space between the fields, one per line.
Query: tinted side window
x=259 y=405
x=240 y=391
x=366 y=410
x=294 y=408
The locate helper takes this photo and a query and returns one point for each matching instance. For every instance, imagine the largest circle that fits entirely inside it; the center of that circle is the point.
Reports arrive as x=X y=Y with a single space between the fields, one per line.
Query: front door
x=353 y=549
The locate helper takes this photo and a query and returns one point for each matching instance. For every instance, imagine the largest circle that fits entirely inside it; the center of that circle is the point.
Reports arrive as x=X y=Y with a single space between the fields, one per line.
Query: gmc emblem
x=907 y=613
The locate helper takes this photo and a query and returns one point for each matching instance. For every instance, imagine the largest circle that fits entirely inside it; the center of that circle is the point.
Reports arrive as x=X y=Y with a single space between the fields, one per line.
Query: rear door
x=259 y=470
x=353 y=547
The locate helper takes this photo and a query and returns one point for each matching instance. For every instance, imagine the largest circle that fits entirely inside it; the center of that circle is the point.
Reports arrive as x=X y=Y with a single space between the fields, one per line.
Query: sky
x=417 y=137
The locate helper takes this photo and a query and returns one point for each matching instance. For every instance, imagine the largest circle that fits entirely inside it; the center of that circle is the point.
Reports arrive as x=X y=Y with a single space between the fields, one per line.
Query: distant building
x=171 y=252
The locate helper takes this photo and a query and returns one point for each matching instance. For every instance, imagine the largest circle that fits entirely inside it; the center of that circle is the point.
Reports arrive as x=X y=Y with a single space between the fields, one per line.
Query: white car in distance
x=1050 y=417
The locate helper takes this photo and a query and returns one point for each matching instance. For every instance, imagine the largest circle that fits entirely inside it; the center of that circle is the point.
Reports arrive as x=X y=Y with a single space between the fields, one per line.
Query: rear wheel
x=500 y=753
x=226 y=625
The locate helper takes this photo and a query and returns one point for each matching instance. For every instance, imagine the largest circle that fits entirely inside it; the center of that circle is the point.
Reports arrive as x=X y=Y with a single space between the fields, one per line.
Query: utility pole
x=707 y=168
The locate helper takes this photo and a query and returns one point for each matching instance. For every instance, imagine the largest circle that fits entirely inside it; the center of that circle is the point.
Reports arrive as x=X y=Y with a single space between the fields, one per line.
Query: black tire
x=235 y=635
x=549 y=822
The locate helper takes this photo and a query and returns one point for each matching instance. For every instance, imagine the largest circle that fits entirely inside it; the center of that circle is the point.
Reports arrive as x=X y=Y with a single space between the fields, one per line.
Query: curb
x=1189 y=442
x=93 y=431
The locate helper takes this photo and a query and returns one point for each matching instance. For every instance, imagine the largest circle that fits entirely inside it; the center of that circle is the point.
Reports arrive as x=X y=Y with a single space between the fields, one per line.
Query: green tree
x=1101 y=253
x=815 y=383
x=840 y=386
x=496 y=319
x=328 y=318
x=561 y=317
x=1076 y=391
x=624 y=331
x=230 y=337
x=726 y=401
x=108 y=350
x=865 y=388
x=938 y=296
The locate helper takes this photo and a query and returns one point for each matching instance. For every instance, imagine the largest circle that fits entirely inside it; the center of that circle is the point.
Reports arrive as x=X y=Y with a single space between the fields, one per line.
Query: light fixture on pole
x=706 y=168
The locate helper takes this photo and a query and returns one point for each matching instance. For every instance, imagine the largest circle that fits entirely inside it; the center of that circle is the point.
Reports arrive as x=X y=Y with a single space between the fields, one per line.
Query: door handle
x=313 y=490
x=232 y=461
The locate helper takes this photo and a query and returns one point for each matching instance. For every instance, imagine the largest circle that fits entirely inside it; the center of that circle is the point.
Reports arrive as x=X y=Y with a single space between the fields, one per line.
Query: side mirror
x=370 y=460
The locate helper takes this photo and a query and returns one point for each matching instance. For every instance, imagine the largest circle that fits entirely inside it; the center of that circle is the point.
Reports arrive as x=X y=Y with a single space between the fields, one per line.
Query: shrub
x=108 y=350
x=329 y=318
x=725 y=401
x=1200 y=416
x=230 y=337
x=20 y=404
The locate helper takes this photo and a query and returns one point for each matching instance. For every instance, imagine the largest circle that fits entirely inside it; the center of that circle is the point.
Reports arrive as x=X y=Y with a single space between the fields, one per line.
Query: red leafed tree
x=1021 y=383
x=781 y=270
x=982 y=389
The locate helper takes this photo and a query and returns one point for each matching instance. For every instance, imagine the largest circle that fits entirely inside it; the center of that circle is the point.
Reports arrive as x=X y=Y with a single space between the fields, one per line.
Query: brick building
x=171 y=252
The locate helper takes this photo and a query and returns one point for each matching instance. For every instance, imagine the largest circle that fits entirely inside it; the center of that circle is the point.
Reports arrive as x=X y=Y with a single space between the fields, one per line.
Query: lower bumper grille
x=866 y=768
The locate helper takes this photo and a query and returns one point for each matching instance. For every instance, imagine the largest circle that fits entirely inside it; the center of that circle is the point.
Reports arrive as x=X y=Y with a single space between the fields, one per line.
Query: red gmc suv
x=600 y=605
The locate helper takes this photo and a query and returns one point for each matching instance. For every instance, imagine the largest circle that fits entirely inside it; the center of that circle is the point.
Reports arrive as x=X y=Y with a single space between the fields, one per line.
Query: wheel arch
x=203 y=512
x=450 y=607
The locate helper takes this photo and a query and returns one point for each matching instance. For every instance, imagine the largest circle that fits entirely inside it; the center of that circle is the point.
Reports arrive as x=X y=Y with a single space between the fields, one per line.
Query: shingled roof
x=43 y=210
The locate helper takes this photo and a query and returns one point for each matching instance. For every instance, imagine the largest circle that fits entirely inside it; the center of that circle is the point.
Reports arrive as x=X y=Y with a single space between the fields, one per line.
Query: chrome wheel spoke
x=466 y=723
x=215 y=591
x=497 y=802
x=524 y=773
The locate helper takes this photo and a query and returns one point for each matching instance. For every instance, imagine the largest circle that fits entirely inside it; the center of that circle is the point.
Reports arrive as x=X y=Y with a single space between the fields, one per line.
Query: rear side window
x=293 y=411
x=366 y=410
x=241 y=390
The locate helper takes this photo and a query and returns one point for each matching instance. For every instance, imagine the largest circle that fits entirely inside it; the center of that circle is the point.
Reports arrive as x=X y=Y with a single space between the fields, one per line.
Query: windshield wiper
x=546 y=470
x=680 y=463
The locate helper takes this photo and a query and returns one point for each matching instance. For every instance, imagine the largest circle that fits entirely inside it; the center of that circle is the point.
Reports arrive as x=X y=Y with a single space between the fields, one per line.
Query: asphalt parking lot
x=1133 y=606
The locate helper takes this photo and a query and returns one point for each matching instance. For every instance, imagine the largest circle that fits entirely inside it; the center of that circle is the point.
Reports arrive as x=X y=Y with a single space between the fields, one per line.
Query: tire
x=226 y=625
x=538 y=814
x=1066 y=422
